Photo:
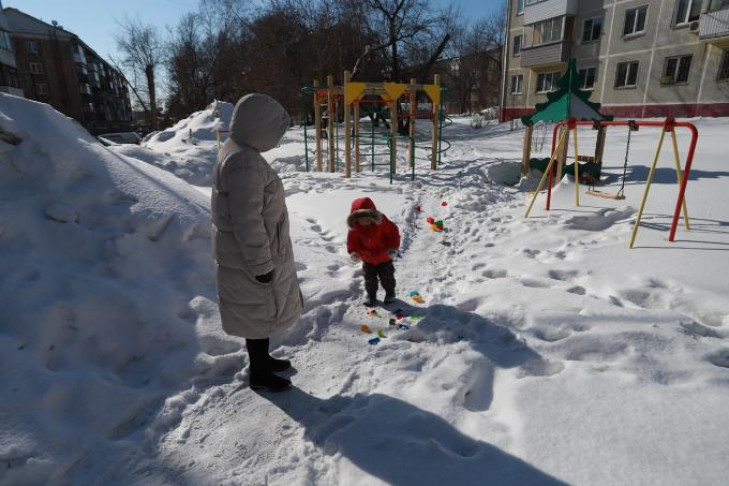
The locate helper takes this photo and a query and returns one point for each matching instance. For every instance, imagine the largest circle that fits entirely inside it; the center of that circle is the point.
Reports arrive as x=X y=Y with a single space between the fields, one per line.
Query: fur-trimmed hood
x=364 y=208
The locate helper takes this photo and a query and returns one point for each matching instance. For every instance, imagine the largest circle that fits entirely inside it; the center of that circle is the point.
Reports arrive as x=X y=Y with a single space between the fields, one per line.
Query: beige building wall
x=703 y=94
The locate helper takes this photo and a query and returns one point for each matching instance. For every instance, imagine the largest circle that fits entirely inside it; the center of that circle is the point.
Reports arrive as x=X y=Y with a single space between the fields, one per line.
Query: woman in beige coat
x=258 y=292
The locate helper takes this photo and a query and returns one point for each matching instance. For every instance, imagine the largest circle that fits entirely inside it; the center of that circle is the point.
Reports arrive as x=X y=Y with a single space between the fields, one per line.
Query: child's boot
x=370 y=301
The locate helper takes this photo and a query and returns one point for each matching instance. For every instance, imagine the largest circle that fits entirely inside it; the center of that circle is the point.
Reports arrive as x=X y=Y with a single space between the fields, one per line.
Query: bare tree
x=142 y=48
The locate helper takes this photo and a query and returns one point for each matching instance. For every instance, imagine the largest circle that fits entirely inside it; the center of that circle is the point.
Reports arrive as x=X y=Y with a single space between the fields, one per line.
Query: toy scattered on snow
x=435 y=225
x=366 y=329
x=374 y=340
x=372 y=313
x=418 y=209
x=381 y=333
x=416 y=297
x=416 y=317
x=397 y=311
x=392 y=322
x=444 y=204
x=403 y=326
x=400 y=317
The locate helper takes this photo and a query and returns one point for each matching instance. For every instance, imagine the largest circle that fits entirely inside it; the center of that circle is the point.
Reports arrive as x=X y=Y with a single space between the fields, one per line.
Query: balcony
x=714 y=27
x=539 y=10
x=552 y=54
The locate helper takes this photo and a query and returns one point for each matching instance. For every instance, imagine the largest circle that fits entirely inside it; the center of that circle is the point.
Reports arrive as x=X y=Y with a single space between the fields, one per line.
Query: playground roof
x=570 y=101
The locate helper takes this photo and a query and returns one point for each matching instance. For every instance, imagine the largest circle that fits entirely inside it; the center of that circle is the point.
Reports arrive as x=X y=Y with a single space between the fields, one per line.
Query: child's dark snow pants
x=386 y=273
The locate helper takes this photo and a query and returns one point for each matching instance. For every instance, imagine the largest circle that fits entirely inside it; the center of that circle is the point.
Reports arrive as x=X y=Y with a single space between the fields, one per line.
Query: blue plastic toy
x=374 y=340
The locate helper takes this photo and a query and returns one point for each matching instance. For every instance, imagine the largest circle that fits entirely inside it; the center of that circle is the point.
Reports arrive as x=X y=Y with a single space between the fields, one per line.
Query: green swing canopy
x=570 y=101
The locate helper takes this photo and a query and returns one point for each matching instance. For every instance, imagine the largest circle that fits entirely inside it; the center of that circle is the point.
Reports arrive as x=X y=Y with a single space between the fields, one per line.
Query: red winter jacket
x=371 y=235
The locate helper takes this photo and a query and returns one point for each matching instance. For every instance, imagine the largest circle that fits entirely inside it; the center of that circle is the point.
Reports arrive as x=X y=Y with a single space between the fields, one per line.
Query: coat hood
x=258 y=121
x=364 y=208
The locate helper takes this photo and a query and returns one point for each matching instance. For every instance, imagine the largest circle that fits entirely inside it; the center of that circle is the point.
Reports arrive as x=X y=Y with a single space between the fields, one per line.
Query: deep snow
x=548 y=352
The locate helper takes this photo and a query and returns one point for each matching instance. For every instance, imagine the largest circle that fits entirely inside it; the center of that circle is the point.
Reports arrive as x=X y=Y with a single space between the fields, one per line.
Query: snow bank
x=105 y=266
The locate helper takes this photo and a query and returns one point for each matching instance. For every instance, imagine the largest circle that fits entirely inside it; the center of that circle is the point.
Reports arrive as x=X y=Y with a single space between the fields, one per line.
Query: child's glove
x=392 y=252
x=355 y=258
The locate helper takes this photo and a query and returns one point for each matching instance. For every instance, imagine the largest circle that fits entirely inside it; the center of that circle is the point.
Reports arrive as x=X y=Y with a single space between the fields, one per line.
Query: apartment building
x=640 y=58
x=8 y=67
x=54 y=66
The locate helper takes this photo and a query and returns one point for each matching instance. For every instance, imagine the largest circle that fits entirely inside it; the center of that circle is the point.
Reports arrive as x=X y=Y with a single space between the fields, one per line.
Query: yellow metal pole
x=577 y=170
x=331 y=120
x=356 y=137
x=317 y=127
x=347 y=135
x=679 y=177
x=647 y=188
x=546 y=172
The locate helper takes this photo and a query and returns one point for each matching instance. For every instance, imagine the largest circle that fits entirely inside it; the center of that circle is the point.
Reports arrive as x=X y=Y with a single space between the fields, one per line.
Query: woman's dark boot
x=261 y=376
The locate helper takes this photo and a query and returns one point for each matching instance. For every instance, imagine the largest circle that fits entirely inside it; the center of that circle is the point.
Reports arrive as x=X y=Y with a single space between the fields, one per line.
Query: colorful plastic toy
x=397 y=311
x=417 y=209
x=403 y=326
x=400 y=317
x=444 y=204
x=416 y=317
x=365 y=328
x=381 y=333
x=392 y=322
x=430 y=220
x=413 y=293
x=374 y=340
x=372 y=313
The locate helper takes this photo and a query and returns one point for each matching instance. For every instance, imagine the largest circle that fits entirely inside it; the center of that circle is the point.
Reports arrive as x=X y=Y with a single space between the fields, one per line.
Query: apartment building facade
x=640 y=58
x=54 y=66
x=8 y=68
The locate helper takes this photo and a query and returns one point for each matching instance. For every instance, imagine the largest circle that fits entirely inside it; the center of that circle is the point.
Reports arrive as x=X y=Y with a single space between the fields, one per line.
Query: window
x=519 y=7
x=517 y=84
x=626 y=75
x=724 y=66
x=547 y=81
x=41 y=89
x=635 y=20
x=717 y=5
x=676 y=70
x=36 y=68
x=32 y=47
x=592 y=30
x=687 y=11
x=548 y=31
x=518 y=42
x=5 y=42
x=588 y=76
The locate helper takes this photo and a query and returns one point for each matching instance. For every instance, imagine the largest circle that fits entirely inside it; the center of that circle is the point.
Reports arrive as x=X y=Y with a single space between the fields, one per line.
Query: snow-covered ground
x=546 y=351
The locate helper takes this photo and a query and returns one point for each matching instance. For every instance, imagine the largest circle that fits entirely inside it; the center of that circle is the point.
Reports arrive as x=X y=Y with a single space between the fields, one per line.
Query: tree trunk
x=149 y=72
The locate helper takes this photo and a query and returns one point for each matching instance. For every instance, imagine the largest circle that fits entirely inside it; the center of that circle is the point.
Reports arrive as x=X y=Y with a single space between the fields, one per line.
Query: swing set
x=669 y=125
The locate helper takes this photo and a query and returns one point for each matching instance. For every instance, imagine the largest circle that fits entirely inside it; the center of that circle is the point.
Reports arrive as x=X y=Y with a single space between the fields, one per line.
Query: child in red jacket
x=374 y=240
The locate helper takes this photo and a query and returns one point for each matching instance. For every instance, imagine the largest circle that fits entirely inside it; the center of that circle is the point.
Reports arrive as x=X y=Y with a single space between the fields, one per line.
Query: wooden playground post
x=393 y=136
x=527 y=150
x=413 y=115
x=577 y=166
x=356 y=136
x=562 y=156
x=347 y=134
x=600 y=145
x=436 y=120
x=317 y=126
x=331 y=119
x=547 y=171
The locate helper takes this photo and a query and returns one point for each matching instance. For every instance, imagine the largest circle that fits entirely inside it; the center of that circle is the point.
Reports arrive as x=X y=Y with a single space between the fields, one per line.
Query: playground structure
x=669 y=125
x=379 y=101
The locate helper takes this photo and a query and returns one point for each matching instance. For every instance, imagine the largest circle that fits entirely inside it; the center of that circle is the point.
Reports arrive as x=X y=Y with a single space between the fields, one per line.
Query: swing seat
x=605 y=195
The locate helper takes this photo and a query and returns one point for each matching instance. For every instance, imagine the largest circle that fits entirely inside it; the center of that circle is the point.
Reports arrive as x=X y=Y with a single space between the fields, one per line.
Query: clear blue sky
x=95 y=21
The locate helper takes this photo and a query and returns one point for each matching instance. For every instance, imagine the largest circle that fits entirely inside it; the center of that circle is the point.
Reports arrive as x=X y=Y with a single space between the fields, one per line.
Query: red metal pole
x=684 y=182
x=554 y=143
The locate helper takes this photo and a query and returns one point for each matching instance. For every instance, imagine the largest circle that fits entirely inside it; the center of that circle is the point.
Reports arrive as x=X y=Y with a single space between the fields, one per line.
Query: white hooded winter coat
x=251 y=226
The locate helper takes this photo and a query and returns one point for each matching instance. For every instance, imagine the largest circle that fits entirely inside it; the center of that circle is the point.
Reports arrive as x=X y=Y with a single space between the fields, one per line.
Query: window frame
x=675 y=22
x=35 y=50
x=723 y=73
x=635 y=33
x=520 y=84
x=584 y=78
x=41 y=89
x=677 y=70
x=514 y=51
x=592 y=29
x=553 y=81
x=542 y=42
x=38 y=71
x=520 y=12
x=627 y=75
